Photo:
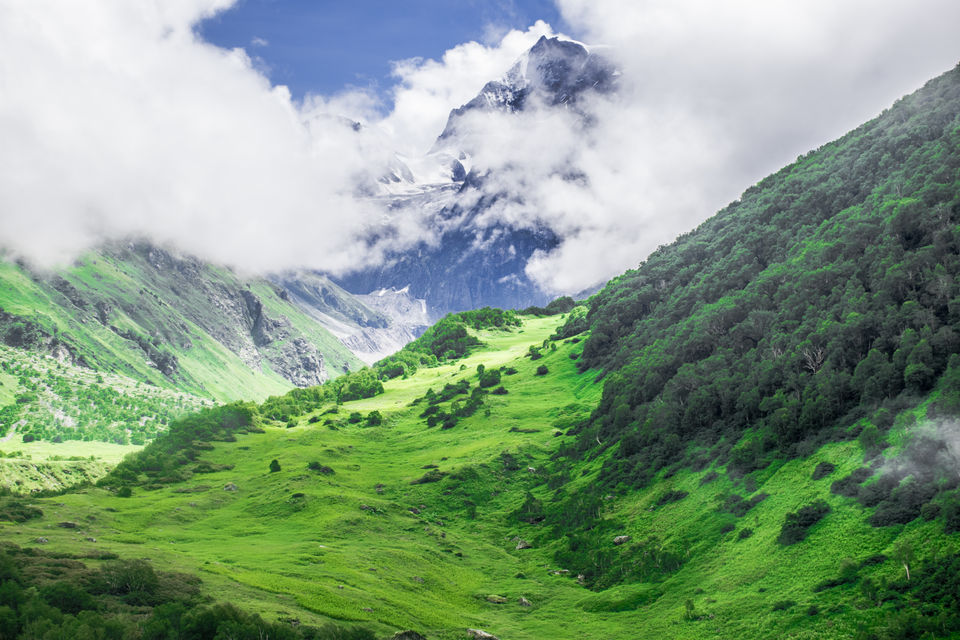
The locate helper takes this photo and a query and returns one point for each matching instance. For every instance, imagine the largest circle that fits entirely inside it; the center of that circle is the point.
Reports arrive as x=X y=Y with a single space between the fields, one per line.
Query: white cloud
x=117 y=121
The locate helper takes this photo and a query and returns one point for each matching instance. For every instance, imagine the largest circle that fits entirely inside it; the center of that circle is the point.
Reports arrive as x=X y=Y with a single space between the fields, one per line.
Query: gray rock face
x=234 y=316
x=372 y=325
x=480 y=634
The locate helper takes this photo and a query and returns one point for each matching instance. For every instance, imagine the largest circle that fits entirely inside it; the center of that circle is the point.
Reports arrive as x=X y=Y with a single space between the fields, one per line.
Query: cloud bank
x=117 y=120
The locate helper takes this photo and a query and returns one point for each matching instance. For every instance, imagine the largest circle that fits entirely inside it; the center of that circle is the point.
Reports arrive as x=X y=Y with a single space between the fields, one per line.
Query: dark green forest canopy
x=827 y=291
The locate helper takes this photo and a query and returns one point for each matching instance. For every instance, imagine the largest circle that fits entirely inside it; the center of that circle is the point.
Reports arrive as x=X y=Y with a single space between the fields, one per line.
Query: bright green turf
x=8 y=388
x=323 y=556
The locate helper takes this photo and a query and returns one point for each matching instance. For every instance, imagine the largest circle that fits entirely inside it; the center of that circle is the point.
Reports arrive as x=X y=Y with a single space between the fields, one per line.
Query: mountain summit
x=475 y=259
x=552 y=73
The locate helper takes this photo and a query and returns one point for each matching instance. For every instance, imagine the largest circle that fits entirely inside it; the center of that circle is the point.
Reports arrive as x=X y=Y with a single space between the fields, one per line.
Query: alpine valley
x=753 y=434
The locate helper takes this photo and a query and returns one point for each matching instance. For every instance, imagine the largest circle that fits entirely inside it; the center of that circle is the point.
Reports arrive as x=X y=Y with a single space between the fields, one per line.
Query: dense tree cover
x=561 y=305
x=577 y=322
x=827 y=296
x=827 y=291
x=488 y=318
x=55 y=403
x=448 y=339
x=45 y=595
x=447 y=418
x=363 y=383
x=175 y=455
x=356 y=385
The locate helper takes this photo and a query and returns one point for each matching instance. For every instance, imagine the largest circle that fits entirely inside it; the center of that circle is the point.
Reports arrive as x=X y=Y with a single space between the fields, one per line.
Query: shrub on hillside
x=739 y=507
x=823 y=470
x=849 y=486
x=18 y=511
x=490 y=378
x=671 y=496
x=320 y=468
x=797 y=525
x=531 y=511
x=904 y=504
x=433 y=475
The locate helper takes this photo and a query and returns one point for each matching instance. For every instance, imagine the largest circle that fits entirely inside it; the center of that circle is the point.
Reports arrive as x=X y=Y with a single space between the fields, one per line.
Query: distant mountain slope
x=470 y=267
x=63 y=425
x=372 y=326
x=169 y=320
x=46 y=399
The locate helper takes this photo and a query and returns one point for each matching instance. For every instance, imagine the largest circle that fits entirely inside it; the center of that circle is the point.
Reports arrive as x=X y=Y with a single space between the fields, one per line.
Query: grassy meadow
x=403 y=526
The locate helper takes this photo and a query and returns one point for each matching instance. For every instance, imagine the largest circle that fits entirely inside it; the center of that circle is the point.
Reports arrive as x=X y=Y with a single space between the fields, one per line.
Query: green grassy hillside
x=62 y=425
x=826 y=293
x=370 y=516
x=168 y=320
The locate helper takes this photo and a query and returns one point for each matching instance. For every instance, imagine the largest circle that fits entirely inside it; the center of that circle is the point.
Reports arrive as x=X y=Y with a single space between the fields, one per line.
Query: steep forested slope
x=826 y=294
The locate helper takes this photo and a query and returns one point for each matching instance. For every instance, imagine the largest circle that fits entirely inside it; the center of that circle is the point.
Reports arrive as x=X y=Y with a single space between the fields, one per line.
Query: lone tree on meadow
x=274 y=466
x=903 y=553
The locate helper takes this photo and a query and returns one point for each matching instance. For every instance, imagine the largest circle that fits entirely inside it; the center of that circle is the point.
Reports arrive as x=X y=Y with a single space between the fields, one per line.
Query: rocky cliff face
x=227 y=310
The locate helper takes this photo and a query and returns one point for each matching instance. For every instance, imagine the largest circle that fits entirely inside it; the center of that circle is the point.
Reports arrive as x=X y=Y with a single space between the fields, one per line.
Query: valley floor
x=405 y=526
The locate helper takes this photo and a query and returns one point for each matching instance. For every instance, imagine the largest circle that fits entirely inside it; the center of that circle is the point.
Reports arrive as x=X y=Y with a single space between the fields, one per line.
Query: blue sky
x=323 y=46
